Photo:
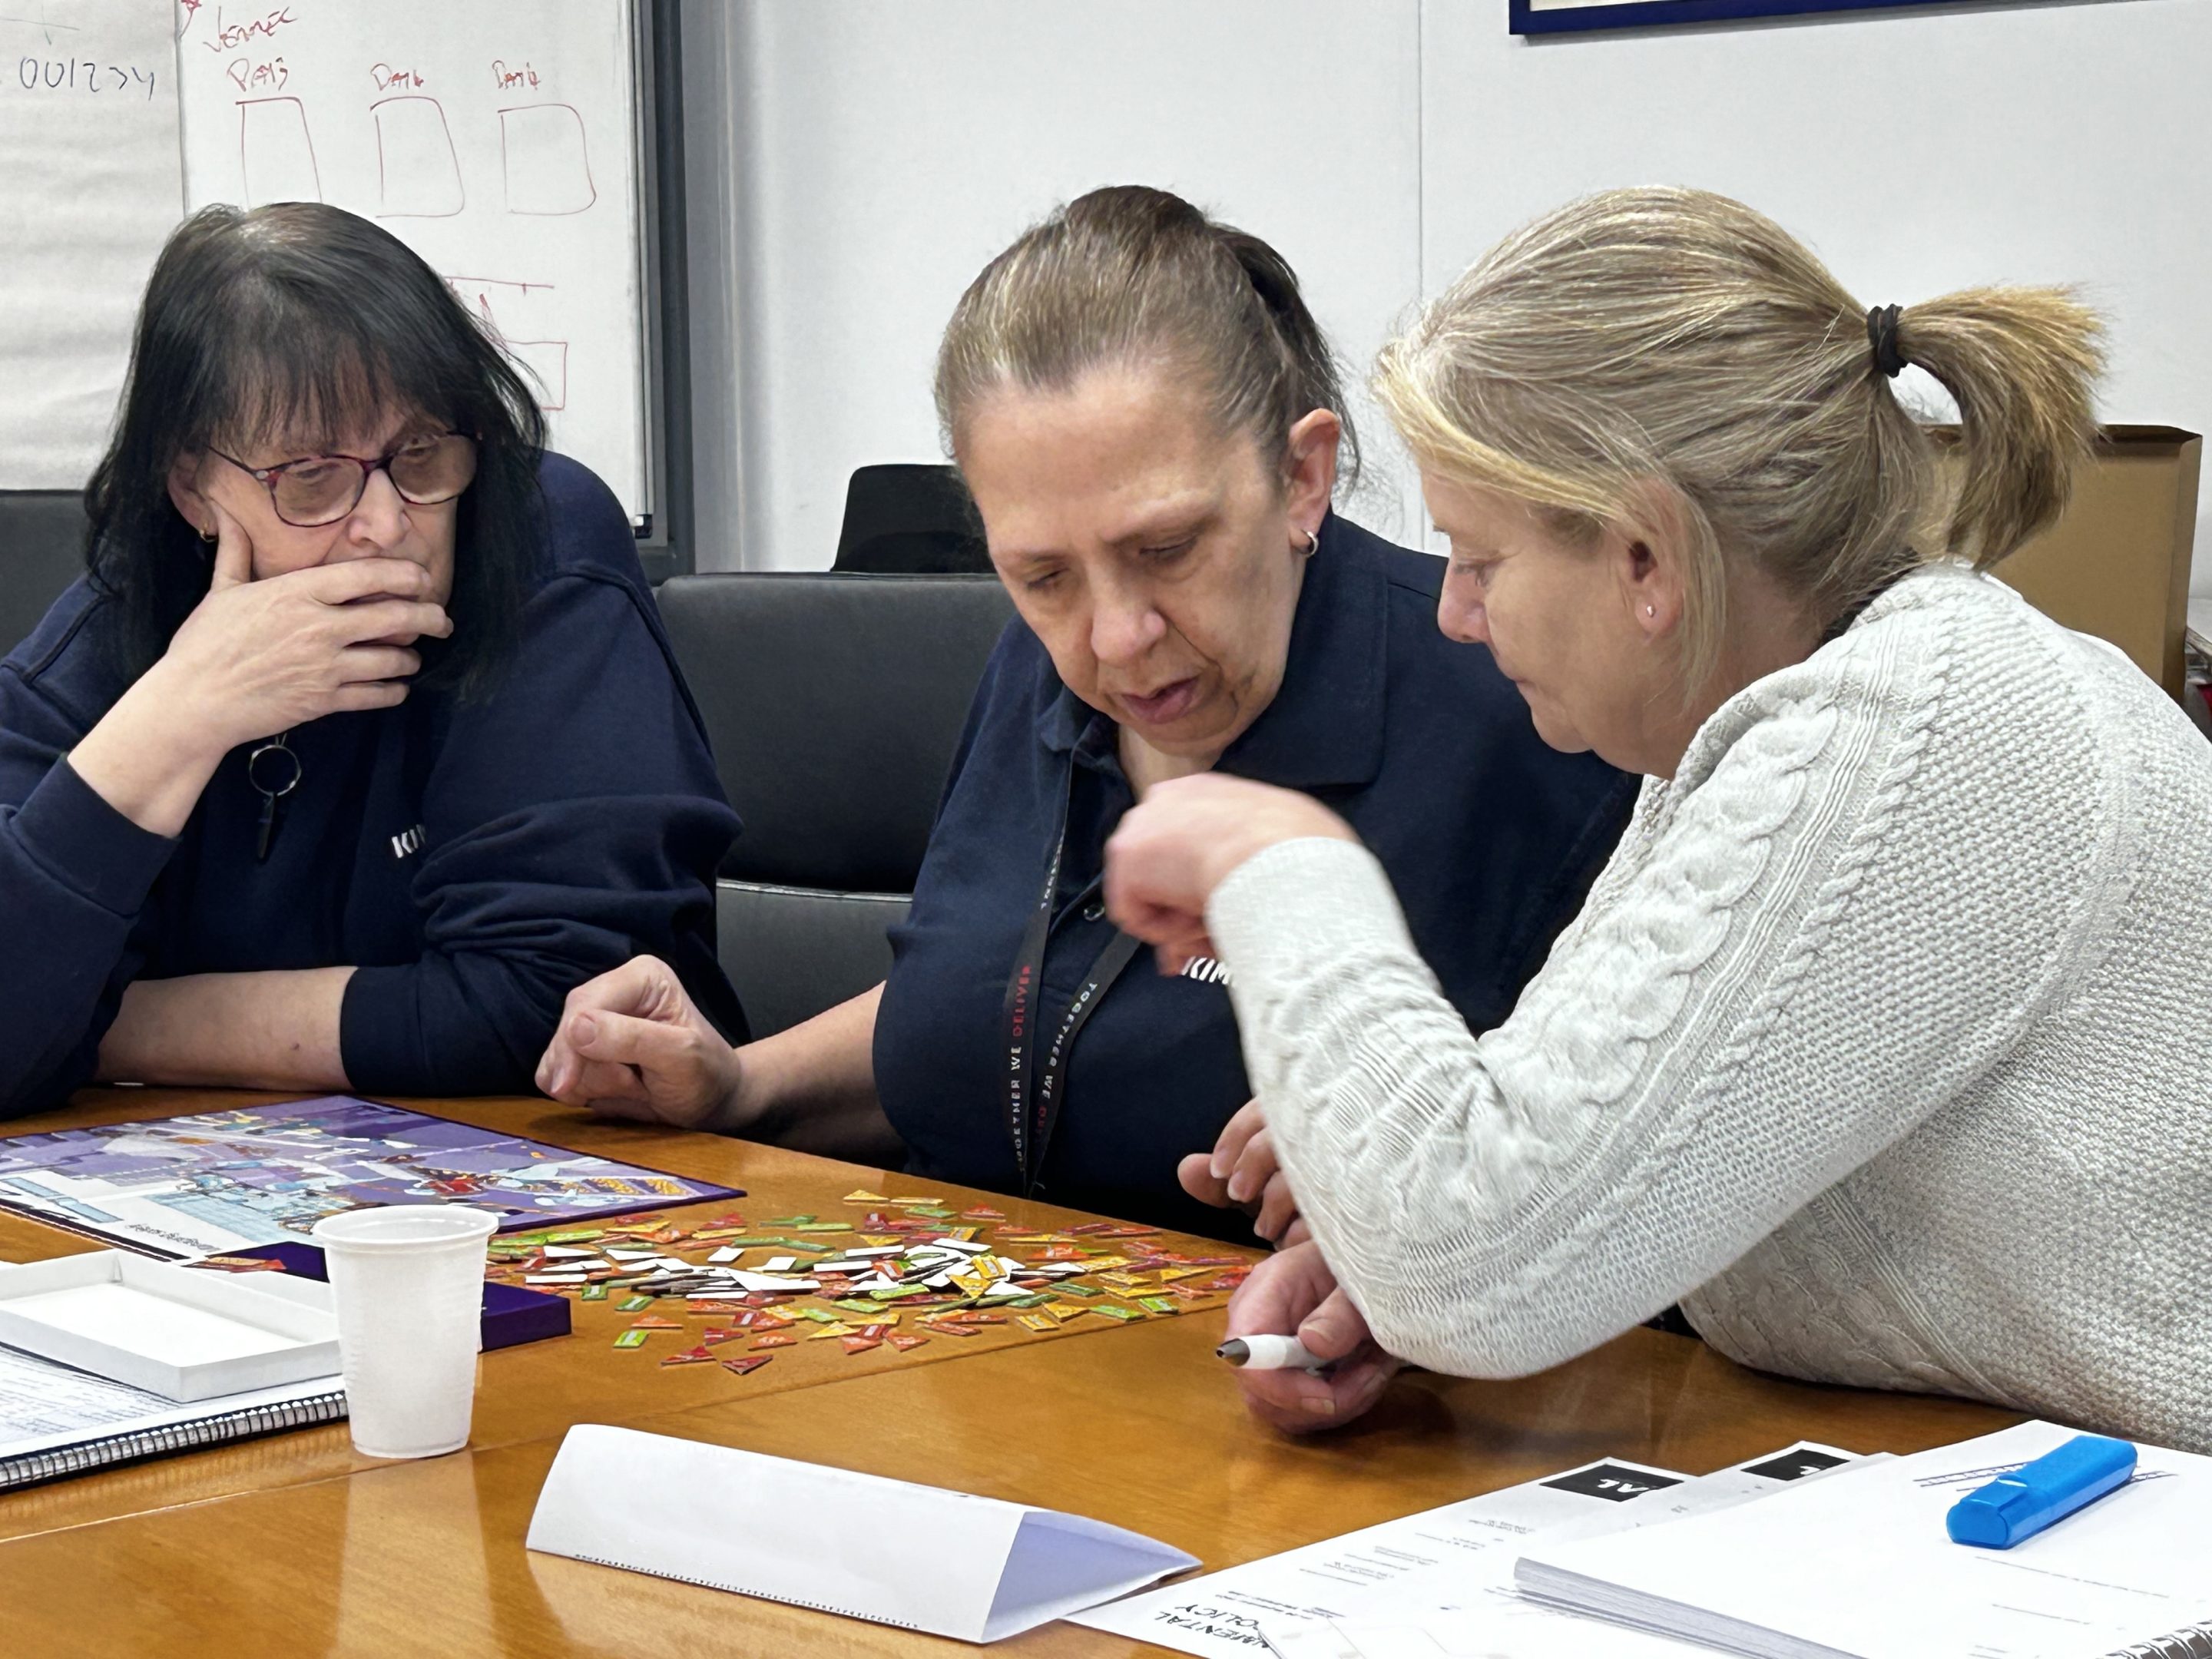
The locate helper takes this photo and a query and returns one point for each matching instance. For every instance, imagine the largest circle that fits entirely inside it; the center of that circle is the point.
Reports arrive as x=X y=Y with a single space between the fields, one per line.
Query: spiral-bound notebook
x=1857 y=1566
x=55 y=1421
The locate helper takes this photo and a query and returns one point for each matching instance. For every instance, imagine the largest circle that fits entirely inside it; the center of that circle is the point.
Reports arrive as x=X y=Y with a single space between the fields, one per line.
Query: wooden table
x=293 y=1544
x=539 y=1389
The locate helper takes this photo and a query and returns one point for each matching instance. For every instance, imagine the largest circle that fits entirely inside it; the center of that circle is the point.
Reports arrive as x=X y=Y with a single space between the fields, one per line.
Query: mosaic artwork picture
x=216 y=1182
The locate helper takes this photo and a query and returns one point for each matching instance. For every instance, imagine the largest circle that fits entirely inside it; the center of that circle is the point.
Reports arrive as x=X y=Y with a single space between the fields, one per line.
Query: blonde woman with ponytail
x=1881 y=1045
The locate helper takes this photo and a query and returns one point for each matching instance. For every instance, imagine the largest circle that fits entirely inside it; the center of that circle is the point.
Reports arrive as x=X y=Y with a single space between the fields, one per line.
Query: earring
x=1313 y=544
x=1650 y=609
x=208 y=536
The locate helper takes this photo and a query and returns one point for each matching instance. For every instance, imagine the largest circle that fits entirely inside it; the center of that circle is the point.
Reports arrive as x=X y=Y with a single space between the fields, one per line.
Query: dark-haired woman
x=1150 y=421
x=358 y=746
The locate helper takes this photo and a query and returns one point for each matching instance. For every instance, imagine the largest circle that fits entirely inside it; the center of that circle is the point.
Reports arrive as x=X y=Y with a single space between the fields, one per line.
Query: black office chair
x=41 y=553
x=834 y=701
x=909 y=519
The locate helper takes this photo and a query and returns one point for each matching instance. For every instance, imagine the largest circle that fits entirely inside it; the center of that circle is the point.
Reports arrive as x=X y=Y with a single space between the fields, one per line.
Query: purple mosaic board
x=217 y=1182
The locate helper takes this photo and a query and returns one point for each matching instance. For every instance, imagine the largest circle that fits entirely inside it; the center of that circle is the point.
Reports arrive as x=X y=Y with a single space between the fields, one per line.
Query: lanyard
x=1034 y=1083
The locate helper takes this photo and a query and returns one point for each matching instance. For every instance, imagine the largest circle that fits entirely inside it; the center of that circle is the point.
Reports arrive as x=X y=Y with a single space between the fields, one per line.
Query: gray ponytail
x=1132 y=276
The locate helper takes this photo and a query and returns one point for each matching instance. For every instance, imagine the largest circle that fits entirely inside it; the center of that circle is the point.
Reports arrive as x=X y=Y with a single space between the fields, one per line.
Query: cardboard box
x=2117 y=563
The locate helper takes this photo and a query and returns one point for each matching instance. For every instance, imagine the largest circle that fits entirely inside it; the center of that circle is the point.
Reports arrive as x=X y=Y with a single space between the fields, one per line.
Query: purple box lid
x=512 y=1313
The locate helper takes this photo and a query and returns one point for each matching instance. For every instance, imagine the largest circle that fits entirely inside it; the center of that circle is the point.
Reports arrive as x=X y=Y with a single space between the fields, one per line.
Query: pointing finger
x=233 y=550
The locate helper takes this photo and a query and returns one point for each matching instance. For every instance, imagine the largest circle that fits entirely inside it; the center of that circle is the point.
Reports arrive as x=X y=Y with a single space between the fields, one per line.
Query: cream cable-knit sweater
x=1884 y=1044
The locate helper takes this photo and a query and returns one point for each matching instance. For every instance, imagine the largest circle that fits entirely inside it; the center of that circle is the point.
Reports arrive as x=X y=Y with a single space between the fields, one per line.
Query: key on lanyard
x=264 y=781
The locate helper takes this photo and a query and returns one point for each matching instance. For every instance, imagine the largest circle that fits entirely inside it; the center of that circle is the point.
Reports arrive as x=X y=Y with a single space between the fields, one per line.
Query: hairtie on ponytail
x=1881 y=335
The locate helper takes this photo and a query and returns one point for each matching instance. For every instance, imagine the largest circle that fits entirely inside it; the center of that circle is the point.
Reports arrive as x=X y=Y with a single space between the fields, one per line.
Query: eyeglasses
x=320 y=489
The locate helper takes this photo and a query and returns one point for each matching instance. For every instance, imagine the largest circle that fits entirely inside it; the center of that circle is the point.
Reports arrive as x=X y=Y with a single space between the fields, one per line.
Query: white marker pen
x=1269 y=1353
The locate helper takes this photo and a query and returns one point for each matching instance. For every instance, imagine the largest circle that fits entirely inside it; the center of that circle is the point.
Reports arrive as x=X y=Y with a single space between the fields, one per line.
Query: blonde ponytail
x=2019 y=362
x=1677 y=336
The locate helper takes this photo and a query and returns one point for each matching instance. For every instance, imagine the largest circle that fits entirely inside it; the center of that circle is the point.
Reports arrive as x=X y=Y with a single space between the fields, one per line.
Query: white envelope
x=792 y=1532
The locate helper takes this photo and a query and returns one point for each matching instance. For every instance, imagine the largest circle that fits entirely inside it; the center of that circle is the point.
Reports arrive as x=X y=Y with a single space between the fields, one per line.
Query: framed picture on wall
x=1578 y=16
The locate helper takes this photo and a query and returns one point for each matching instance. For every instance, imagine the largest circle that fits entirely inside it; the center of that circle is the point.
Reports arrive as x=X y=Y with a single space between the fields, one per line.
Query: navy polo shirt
x=473 y=859
x=1490 y=837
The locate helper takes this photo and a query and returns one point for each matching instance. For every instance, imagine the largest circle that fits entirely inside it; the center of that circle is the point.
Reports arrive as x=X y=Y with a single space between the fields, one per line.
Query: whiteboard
x=497 y=138
x=89 y=190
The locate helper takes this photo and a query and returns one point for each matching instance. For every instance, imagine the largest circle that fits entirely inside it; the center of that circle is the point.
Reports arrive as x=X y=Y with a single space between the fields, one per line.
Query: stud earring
x=1650 y=609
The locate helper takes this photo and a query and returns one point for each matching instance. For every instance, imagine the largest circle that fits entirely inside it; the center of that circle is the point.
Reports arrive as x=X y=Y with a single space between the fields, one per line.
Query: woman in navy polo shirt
x=1147 y=416
x=359 y=745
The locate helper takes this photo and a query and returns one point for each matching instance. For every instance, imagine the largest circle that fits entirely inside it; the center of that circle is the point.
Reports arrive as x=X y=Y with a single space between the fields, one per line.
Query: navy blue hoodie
x=1490 y=837
x=474 y=859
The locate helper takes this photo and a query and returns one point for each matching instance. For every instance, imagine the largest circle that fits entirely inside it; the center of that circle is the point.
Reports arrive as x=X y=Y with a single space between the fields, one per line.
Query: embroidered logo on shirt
x=407 y=842
x=1206 y=969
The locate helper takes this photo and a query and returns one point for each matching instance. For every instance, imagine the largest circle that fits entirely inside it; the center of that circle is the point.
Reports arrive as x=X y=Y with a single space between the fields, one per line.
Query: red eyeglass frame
x=268 y=477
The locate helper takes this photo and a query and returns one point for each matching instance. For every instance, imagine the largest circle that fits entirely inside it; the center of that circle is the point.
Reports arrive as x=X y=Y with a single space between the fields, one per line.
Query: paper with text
x=1497 y=1621
x=43 y=1405
x=498 y=139
x=1769 y=1578
x=92 y=185
x=1435 y=1558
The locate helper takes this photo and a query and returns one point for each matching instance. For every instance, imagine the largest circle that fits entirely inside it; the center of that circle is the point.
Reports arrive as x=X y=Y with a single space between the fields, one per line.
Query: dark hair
x=282 y=324
x=1133 y=275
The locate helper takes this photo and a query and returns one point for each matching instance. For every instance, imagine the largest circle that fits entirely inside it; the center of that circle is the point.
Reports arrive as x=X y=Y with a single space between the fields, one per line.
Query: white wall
x=876 y=153
x=890 y=150
x=1916 y=153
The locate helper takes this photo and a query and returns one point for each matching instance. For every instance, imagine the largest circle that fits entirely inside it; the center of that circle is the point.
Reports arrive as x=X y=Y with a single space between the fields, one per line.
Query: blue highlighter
x=2020 y=1505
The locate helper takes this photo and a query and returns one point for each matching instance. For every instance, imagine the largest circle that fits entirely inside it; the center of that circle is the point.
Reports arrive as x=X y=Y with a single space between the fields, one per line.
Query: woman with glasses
x=359 y=744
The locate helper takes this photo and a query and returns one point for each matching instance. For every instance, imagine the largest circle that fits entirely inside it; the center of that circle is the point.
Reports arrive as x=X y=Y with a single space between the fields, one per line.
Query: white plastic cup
x=409 y=1284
